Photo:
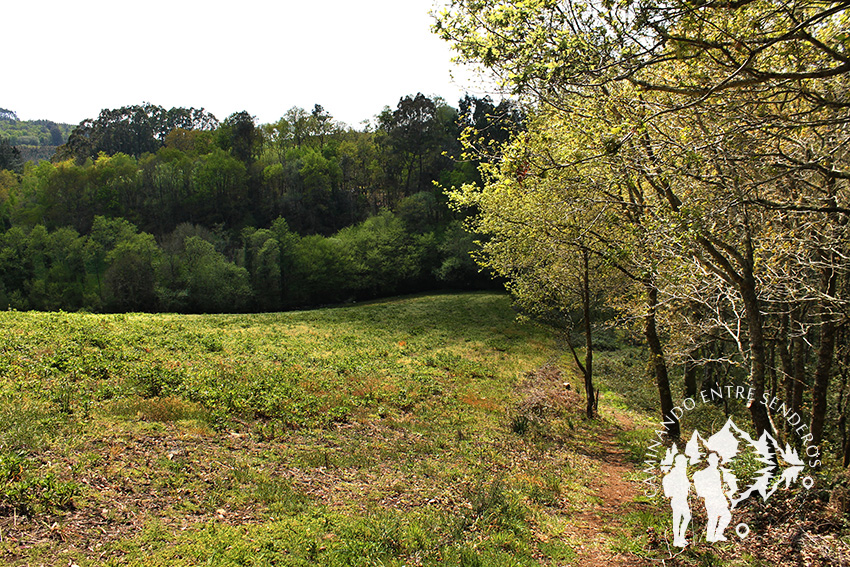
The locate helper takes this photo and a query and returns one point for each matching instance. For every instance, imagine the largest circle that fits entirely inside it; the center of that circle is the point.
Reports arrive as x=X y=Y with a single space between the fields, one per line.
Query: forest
x=148 y=209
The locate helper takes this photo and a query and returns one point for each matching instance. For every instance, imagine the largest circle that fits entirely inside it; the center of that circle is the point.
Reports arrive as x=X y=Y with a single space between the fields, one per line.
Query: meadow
x=396 y=432
x=413 y=431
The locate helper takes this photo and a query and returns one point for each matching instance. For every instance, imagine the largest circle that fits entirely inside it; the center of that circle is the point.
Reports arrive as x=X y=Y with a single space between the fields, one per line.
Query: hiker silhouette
x=708 y=484
x=676 y=487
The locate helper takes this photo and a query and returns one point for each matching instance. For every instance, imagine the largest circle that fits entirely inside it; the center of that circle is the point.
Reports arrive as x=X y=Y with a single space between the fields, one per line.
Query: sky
x=65 y=61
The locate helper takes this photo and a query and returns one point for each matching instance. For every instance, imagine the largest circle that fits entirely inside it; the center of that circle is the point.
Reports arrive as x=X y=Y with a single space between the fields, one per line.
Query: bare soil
x=598 y=526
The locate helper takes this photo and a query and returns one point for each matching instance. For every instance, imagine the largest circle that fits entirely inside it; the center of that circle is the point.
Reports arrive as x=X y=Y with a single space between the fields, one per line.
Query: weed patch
x=157 y=409
x=25 y=491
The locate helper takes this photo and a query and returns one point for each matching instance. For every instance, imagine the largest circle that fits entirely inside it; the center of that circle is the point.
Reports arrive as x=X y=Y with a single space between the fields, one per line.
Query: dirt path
x=597 y=527
x=598 y=524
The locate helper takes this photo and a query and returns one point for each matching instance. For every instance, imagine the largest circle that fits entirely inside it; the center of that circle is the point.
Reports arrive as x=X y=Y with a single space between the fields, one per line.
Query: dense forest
x=145 y=208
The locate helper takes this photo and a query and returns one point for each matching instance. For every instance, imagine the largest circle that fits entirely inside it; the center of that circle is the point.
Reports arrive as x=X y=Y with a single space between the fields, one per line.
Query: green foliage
x=130 y=280
x=456 y=248
x=413 y=139
x=28 y=493
x=35 y=139
x=10 y=157
x=160 y=168
x=153 y=382
x=214 y=284
x=239 y=136
x=662 y=144
x=493 y=504
x=132 y=130
x=27 y=424
x=382 y=256
x=219 y=184
x=136 y=176
x=117 y=268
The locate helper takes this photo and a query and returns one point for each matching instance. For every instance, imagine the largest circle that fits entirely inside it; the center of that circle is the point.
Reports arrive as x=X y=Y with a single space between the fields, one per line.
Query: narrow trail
x=597 y=527
x=594 y=528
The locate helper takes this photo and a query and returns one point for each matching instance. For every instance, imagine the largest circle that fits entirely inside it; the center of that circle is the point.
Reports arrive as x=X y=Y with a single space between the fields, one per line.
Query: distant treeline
x=35 y=140
x=151 y=209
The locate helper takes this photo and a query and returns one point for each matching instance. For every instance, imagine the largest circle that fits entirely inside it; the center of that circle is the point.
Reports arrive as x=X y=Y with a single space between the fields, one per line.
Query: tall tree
x=133 y=130
x=552 y=216
x=411 y=137
x=239 y=134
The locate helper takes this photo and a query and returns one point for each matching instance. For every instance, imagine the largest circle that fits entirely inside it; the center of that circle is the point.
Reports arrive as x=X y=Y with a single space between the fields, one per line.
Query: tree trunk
x=587 y=367
x=787 y=364
x=847 y=453
x=659 y=366
x=826 y=345
x=758 y=411
x=826 y=348
x=843 y=398
x=800 y=381
x=690 y=377
x=771 y=358
x=588 y=338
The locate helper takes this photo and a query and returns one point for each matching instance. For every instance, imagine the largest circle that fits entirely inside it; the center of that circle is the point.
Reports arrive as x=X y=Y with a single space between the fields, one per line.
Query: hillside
x=404 y=431
x=411 y=431
x=36 y=139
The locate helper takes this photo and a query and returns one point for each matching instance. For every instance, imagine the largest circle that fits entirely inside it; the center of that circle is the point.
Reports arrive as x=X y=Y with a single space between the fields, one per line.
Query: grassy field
x=414 y=431
x=403 y=432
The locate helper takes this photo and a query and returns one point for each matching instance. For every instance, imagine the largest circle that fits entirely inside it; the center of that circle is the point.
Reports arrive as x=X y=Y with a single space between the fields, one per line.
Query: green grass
x=375 y=434
x=401 y=432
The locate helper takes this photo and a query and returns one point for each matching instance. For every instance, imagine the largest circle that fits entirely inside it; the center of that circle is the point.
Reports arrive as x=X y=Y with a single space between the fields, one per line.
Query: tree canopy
x=705 y=145
x=151 y=209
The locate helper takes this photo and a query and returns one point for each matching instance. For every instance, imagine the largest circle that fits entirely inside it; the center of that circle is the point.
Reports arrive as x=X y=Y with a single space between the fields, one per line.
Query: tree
x=485 y=126
x=322 y=123
x=296 y=125
x=214 y=284
x=130 y=279
x=555 y=207
x=239 y=134
x=267 y=276
x=411 y=137
x=363 y=171
x=456 y=266
x=220 y=187
x=322 y=271
x=132 y=130
x=56 y=137
x=10 y=157
x=263 y=262
x=8 y=185
x=381 y=255
x=105 y=235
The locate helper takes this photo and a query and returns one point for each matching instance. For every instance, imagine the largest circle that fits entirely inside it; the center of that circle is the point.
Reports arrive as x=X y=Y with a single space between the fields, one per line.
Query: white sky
x=65 y=61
